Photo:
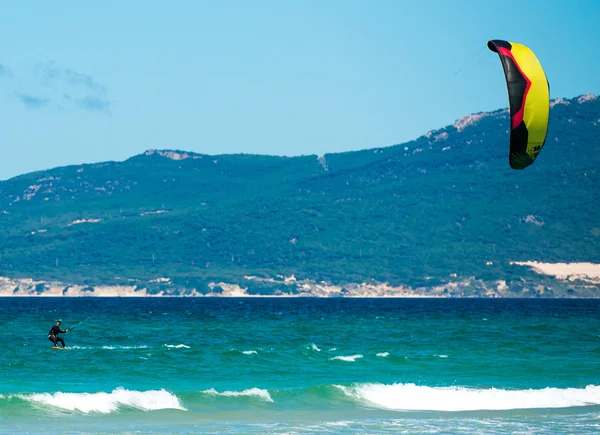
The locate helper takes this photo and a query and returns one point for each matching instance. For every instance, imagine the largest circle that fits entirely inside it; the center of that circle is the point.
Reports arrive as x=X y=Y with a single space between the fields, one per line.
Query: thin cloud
x=60 y=88
x=50 y=74
x=32 y=102
x=94 y=104
x=78 y=88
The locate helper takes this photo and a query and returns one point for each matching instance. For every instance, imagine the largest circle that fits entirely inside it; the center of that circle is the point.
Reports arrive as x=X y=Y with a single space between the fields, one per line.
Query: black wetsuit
x=53 y=335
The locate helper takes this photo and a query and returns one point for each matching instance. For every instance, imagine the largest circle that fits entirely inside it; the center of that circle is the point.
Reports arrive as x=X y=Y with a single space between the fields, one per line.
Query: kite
x=529 y=101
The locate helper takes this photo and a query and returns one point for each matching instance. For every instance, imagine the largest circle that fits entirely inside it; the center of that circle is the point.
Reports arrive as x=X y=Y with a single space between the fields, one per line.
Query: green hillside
x=412 y=214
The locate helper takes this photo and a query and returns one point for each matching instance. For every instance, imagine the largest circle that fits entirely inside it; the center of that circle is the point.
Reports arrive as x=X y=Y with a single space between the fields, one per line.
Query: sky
x=83 y=82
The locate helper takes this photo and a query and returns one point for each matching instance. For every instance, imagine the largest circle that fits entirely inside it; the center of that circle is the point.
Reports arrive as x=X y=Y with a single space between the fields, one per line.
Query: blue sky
x=83 y=82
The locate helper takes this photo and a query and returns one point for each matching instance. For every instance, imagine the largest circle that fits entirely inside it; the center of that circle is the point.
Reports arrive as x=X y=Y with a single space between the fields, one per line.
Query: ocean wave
x=411 y=397
x=350 y=358
x=315 y=347
x=251 y=392
x=177 y=346
x=233 y=351
x=108 y=347
x=395 y=397
x=107 y=402
x=383 y=354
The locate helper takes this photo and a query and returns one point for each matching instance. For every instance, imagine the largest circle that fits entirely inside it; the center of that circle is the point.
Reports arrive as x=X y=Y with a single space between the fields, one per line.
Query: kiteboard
x=58 y=348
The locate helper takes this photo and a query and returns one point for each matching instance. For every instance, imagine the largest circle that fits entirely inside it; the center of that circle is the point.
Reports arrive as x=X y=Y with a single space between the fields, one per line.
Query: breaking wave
x=252 y=392
x=411 y=397
x=350 y=358
x=391 y=397
x=107 y=402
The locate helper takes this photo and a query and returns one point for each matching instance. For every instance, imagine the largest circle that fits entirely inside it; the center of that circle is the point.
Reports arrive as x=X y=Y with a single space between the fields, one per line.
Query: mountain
x=441 y=215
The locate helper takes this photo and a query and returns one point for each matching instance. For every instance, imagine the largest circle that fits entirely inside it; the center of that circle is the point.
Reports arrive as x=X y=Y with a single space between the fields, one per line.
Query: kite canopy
x=529 y=100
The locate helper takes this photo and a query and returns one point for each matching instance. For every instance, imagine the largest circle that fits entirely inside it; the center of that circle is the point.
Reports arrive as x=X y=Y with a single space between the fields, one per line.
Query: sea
x=300 y=366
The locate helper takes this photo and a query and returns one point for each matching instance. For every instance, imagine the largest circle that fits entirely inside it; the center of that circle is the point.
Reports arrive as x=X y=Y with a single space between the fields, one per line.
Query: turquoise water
x=175 y=365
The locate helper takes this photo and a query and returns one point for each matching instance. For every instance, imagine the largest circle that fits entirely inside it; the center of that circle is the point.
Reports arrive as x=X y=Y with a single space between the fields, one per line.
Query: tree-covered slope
x=444 y=205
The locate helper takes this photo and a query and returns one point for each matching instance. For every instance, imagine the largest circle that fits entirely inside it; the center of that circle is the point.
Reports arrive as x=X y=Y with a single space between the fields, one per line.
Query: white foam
x=110 y=347
x=154 y=212
x=411 y=397
x=177 y=346
x=339 y=423
x=251 y=392
x=84 y=221
x=107 y=402
x=350 y=358
x=315 y=348
x=383 y=354
x=441 y=356
x=249 y=352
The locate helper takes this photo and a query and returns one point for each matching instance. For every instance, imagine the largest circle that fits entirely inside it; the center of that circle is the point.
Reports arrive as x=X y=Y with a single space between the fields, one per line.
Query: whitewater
x=302 y=366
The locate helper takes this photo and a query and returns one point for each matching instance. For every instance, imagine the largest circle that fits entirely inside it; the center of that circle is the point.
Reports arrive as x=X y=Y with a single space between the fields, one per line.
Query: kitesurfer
x=53 y=334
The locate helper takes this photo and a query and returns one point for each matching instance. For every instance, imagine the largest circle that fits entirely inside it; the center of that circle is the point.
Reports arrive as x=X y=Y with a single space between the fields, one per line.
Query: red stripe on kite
x=518 y=117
